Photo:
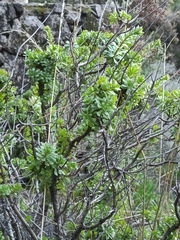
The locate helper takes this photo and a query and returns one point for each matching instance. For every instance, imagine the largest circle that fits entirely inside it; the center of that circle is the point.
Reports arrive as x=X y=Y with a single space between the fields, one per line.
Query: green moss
x=38 y=9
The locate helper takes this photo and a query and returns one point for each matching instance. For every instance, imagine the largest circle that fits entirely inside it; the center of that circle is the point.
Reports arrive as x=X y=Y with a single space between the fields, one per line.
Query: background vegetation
x=90 y=150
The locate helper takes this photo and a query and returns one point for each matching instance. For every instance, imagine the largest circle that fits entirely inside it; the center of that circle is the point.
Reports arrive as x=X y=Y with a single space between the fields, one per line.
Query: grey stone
x=97 y=9
x=4 y=24
x=72 y=17
x=58 y=8
x=66 y=33
x=3 y=41
x=11 y=13
x=19 y=9
x=1 y=59
x=16 y=24
x=15 y=40
x=31 y=24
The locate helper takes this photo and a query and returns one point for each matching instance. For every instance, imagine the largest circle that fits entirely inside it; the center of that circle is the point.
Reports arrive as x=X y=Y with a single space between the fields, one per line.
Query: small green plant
x=9 y=189
x=115 y=17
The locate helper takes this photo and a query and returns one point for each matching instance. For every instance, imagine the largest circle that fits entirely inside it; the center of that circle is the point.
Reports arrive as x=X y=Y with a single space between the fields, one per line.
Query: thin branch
x=175 y=226
x=24 y=222
x=77 y=140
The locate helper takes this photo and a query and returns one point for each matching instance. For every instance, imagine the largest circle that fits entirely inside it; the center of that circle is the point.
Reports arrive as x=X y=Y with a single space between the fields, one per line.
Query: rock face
x=19 y=1
x=22 y=27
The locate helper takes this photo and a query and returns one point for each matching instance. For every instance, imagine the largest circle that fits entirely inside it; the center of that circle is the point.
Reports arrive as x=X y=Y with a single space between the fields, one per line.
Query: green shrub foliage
x=81 y=139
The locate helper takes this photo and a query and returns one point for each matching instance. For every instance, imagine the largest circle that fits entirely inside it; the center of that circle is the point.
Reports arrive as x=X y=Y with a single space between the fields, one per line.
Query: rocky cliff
x=22 y=27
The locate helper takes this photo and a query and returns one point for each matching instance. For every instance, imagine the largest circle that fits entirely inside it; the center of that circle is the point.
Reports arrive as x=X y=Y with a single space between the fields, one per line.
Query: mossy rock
x=39 y=10
x=90 y=22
